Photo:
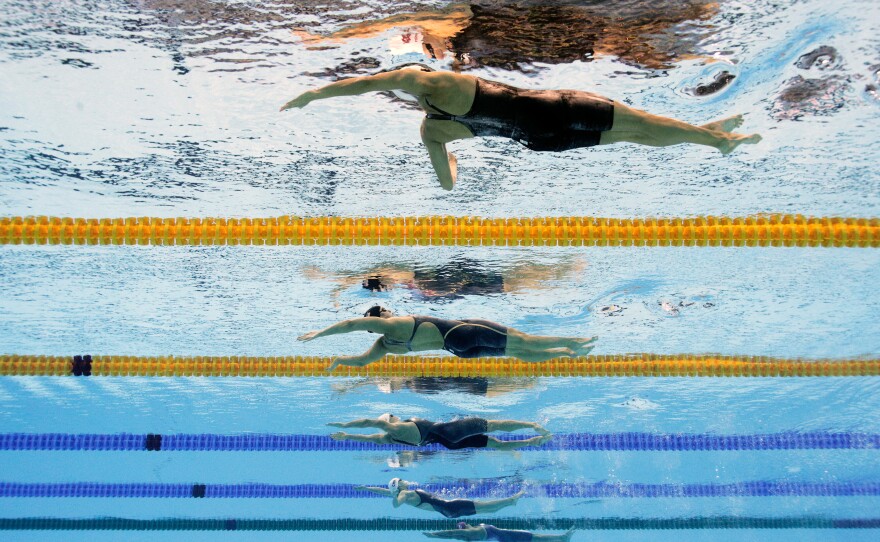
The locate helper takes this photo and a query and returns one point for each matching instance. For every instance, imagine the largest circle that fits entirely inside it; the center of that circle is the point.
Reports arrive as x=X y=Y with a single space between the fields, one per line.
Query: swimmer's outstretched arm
x=372 y=489
x=458 y=534
x=375 y=353
x=409 y=81
x=363 y=422
x=378 y=438
x=376 y=325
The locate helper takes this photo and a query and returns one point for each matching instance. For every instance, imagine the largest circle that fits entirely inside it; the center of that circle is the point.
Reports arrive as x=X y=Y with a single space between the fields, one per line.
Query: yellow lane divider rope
x=644 y=365
x=762 y=230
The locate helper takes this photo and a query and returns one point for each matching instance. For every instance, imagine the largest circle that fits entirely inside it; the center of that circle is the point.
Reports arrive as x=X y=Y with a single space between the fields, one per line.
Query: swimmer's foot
x=732 y=141
x=581 y=343
x=567 y=535
x=728 y=124
x=539 y=441
x=540 y=430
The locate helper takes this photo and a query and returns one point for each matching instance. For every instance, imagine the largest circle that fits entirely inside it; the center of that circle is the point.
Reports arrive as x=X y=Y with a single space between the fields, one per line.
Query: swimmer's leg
x=520 y=342
x=535 y=356
x=487 y=507
x=513 y=425
x=514 y=444
x=634 y=126
x=728 y=124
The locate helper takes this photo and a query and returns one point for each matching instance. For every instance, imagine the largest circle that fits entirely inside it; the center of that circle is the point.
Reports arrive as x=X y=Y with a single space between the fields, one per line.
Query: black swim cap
x=375 y=311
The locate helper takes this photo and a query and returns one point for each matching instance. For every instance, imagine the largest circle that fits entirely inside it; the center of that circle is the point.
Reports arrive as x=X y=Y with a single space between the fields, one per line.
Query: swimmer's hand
x=338 y=436
x=336 y=424
x=308 y=336
x=300 y=101
x=334 y=364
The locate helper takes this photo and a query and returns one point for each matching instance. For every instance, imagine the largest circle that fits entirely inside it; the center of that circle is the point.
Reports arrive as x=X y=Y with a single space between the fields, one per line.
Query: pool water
x=151 y=108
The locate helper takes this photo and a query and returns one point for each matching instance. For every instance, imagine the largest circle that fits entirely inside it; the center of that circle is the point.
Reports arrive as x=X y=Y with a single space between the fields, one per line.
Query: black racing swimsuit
x=454 y=435
x=542 y=120
x=471 y=338
x=450 y=509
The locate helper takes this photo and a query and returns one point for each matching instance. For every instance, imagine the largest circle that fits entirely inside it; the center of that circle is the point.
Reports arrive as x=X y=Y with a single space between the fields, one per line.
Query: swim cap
x=394 y=487
x=386 y=417
x=376 y=311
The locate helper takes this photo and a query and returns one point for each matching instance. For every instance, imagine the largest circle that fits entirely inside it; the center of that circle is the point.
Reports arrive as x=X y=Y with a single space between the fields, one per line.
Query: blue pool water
x=153 y=108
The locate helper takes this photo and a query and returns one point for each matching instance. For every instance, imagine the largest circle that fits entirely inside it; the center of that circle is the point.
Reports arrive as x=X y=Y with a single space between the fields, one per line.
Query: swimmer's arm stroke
x=444 y=163
x=372 y=489
x=378 y=438
x=364 y=422
x=458 y=534
x=409 y=81
x=376 y=325
x=375 y=353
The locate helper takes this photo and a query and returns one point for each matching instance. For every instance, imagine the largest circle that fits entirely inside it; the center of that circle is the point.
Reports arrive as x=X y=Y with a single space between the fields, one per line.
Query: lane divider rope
x=411 y=524
x=761 y=230
x=463 y=489
x=611 y=365
x=308 y=443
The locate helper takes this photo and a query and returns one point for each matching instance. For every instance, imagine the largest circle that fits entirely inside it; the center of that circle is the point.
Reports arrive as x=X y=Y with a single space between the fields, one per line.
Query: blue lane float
x=818 y=440
x=456 y=489
x=409 y=524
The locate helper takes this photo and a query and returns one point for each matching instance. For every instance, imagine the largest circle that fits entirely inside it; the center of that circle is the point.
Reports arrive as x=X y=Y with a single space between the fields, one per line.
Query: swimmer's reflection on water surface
x=512 y=35
x=452 y=279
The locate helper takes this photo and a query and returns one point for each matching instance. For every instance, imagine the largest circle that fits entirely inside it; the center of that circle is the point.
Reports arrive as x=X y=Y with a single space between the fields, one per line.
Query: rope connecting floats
x=409 y=524
x=769 y=230
x=471 y=489
x=645 y=442
x=615 y=365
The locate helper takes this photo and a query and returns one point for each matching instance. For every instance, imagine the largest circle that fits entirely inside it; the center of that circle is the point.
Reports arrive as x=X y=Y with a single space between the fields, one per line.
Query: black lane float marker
x=81 y=365
x=198 y=491
x=153 y=443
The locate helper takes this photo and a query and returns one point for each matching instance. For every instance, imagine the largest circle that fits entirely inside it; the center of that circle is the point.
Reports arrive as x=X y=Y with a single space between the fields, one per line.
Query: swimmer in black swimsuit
x=462 y=106
x=399 y=490
x=489 y=532
x=469 y=338
x=454 y=435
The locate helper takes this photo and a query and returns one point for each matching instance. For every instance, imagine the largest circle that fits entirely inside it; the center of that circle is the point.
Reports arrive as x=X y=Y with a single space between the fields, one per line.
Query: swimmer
x=489 y=532
x=399 y=490
x=470 y=338
x=461 y=106
x=454 y=435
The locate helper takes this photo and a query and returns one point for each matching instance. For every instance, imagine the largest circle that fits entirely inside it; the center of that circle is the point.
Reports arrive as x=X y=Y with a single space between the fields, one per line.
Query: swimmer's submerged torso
x=542 y=120
x=451 y=509
x=454 y=435
x=470 y=338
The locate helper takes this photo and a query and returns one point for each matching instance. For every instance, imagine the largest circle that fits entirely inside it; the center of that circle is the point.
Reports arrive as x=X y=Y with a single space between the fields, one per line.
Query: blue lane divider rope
x=390 y=524
x=472 y=489
x=309 y=443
